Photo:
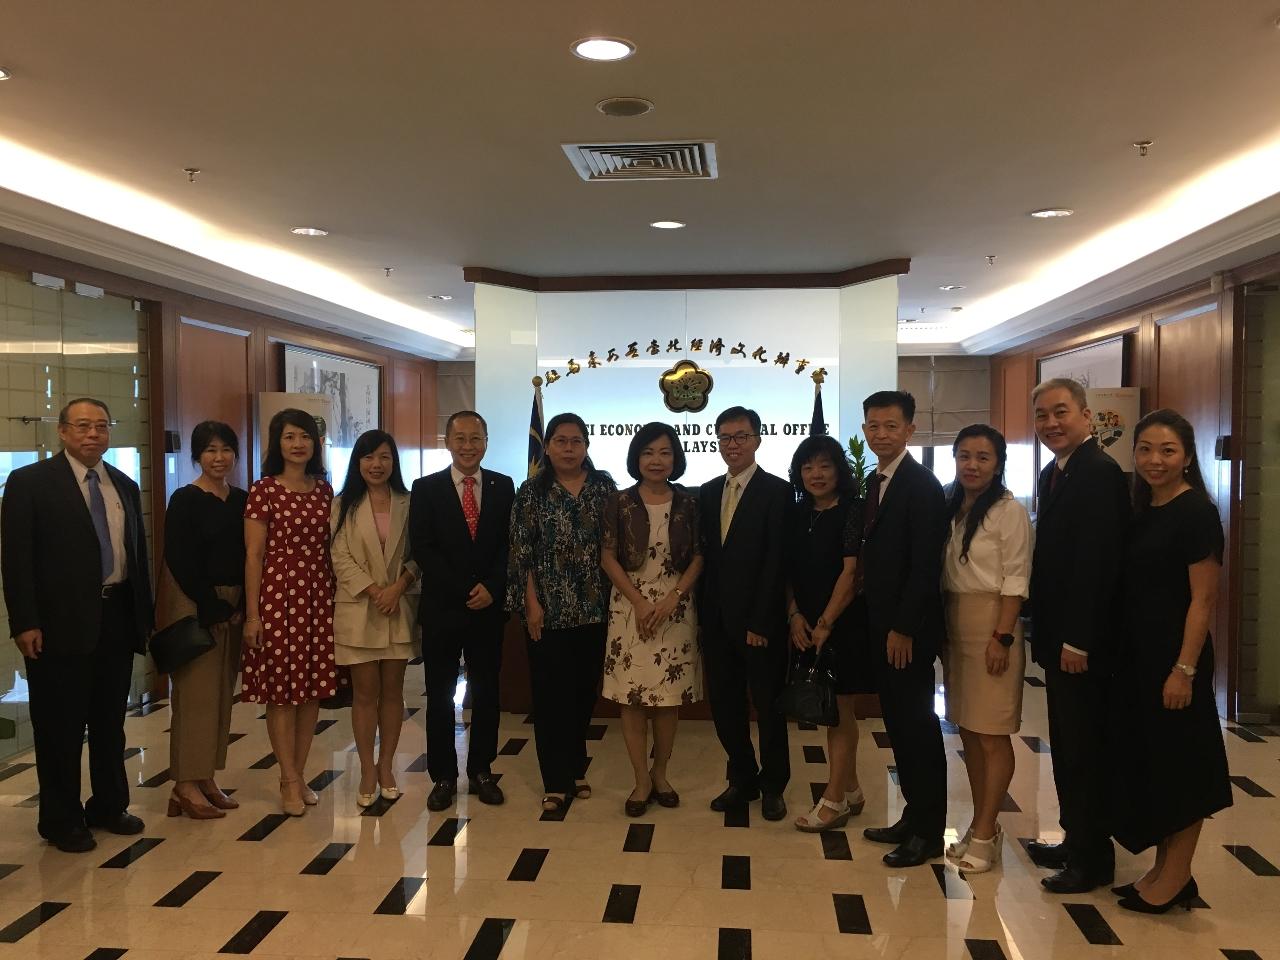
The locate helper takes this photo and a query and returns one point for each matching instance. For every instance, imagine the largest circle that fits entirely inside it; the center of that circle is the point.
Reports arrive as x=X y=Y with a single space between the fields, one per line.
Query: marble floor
x=482 y=882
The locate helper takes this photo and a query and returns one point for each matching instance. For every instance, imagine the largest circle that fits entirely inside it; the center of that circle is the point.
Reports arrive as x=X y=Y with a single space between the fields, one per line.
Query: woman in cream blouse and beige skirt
x=986 y=569
x=374 y=621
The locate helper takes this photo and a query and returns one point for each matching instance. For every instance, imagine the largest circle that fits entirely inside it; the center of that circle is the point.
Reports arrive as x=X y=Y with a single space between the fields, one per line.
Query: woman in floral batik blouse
x=555 y=583
x=653 y=557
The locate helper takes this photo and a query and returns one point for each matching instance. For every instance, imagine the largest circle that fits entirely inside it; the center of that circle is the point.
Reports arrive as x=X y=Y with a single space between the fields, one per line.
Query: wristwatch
x=1005 y=639
x=1189 y=670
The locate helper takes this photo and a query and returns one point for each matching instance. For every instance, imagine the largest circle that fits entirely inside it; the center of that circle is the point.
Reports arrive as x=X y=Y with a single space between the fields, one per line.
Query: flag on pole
x=818 y=426
x=535 y=428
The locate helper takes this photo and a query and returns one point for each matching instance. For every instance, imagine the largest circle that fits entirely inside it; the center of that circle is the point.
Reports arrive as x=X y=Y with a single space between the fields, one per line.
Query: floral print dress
x=666 y=669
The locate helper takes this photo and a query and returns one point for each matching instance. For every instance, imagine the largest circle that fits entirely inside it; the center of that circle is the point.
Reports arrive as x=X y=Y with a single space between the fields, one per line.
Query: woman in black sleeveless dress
x=1171 y=764
x=823 y=542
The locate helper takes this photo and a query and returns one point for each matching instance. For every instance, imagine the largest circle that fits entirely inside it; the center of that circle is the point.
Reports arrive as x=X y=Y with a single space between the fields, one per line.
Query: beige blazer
x=360 y=560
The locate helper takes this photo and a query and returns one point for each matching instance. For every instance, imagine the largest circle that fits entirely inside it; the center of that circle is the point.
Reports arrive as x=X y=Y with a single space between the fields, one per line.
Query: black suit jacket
x=451 y=562
x=743 y=583
x=1075 y=570
x=902 y=560
x=51 y=563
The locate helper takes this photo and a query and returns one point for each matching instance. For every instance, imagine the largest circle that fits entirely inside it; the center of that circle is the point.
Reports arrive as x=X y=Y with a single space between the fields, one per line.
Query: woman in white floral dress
x=651 y=554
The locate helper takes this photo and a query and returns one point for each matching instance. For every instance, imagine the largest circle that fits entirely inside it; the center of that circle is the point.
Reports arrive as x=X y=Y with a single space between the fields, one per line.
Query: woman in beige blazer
x=373 y=622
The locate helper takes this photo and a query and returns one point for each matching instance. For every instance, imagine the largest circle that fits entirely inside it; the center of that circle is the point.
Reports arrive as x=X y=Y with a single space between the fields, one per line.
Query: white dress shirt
x=115 y=512
x=999 y=558
x=458 y=476
x=889 y=471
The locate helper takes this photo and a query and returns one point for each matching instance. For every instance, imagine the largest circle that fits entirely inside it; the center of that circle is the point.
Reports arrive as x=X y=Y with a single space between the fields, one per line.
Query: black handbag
x=810 y=695
x=179 y=643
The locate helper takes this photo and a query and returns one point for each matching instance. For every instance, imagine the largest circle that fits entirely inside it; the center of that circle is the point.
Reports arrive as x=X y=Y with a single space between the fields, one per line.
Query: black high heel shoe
x=1125 y=890
x=1182 y=899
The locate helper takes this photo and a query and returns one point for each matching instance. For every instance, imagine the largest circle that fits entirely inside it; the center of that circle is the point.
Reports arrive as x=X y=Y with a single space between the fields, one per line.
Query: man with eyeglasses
x=458 y=525
x=73 y=553
x=742 y=608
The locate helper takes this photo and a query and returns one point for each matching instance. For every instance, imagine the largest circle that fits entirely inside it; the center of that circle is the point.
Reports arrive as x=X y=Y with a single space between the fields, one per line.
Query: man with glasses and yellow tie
x=742 y=609
x=76 y=581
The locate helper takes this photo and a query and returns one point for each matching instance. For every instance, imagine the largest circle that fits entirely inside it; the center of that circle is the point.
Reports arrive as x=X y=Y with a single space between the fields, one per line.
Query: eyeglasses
x=568 y=443
x=729 y=439
x=473 y=440
x=86 y=426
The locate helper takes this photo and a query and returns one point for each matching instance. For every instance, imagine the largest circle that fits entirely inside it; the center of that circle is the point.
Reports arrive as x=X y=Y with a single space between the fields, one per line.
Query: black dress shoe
x=1052 y=856
x=637 y=808
x=442 y=794
x=772 y=806
x=123 y=823
x=914 y=851
x=896 y=834
x=75 y=840
x=1181 y=899
x=1077 y=880
x=734 y=797
x=486 y=788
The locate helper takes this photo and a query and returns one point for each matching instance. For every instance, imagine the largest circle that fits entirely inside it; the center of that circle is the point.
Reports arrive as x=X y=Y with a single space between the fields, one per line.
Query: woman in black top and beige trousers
x=203 y=576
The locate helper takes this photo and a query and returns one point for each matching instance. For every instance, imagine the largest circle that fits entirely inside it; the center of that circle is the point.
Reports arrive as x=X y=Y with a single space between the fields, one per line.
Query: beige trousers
x=202 y=693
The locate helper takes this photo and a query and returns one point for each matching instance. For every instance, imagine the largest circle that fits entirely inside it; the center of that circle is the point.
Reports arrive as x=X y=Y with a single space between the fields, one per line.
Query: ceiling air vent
x=669 y=160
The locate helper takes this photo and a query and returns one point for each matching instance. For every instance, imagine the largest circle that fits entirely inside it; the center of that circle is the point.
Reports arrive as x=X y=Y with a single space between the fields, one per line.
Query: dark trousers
x=733 y=669
x=906 y=700
x=478 y=639
x=565 y=668
x=1078 y=737
x=72 y=692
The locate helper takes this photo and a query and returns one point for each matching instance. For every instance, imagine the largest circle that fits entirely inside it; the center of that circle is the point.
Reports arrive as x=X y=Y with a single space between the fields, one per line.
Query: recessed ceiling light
x=952 y=286
x=309 y=232
x=603 y=48
x=439 y=296
x=667 y=224
x=625 y=107
x=956 y=309
x=5 y=74
x=1051 y=213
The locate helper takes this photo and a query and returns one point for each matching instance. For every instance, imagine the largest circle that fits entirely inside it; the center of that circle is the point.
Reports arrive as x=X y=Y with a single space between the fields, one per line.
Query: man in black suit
x=74 y=557
x=1075 y=580
x=458 y=525
x=742 y=611
x=904 y=527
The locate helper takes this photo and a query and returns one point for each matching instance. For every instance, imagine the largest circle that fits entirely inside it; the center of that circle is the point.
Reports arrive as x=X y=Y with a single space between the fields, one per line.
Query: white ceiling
x=426 y=136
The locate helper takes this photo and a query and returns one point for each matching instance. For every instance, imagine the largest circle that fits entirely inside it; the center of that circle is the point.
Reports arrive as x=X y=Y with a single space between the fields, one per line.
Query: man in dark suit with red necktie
x=459 y=520
x=78 y=588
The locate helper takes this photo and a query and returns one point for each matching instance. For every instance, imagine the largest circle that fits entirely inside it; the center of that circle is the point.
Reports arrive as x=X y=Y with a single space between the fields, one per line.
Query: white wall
x=851 y=332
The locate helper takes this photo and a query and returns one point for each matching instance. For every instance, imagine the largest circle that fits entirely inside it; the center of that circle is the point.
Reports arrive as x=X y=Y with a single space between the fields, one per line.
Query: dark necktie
x=1054 y=477
x=98 y=511
x=469 y=508
x=873 y=502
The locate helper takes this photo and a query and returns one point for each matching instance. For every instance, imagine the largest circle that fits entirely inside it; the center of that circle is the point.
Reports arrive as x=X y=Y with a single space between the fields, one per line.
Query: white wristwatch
x=1190 y=671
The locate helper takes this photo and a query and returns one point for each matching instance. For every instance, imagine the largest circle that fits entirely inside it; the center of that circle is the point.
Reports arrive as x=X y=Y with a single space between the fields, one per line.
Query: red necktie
x=873 y=502
x=469 y=508
x=1054 y=476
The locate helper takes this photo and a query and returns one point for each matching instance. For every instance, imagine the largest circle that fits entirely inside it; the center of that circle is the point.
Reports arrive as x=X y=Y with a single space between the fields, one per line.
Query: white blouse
x=999 y=558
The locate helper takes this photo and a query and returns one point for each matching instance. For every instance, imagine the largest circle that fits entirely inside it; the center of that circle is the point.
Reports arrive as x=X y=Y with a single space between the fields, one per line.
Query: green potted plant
x=857 y=457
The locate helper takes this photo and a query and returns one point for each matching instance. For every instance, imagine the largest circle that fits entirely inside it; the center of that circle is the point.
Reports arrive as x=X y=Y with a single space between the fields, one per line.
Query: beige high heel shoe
x=294 y=808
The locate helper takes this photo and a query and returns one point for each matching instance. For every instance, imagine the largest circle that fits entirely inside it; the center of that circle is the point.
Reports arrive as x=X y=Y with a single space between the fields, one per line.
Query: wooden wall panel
x=1188 y=357
x=213 y=384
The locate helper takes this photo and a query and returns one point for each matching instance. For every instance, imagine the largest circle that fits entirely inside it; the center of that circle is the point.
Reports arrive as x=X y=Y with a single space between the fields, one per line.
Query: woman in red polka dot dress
x=288 y=629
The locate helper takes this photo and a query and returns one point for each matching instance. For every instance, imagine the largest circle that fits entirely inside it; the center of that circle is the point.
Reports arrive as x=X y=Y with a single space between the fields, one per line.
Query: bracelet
x=1190 y=671
x=679 y=593
x=822 y=622
x=252 y=620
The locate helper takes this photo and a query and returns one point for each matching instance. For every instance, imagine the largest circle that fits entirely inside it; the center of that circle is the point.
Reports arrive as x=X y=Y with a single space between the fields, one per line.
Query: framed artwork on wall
x=1098 y=365
x=353 y=387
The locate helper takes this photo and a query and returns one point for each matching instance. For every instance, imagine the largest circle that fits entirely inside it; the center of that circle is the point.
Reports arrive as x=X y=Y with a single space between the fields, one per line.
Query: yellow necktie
x=726 y=510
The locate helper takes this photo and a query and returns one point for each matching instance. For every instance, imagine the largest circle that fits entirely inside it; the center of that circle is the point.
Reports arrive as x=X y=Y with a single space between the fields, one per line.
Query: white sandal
x=812 y=823
x=958 y=849
x=982 y=855
x=855 y=800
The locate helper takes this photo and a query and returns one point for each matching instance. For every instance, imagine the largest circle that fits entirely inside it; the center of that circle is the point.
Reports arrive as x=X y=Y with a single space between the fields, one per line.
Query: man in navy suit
x=742 y=607
x=904 y=529
x=76 y=581
x=459 y=520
